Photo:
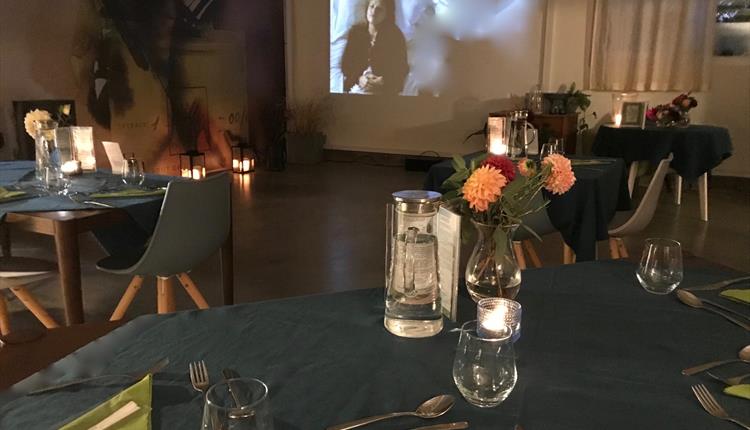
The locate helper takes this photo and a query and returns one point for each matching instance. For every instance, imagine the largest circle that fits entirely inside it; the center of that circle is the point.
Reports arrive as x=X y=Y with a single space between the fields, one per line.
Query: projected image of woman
x=374 y=60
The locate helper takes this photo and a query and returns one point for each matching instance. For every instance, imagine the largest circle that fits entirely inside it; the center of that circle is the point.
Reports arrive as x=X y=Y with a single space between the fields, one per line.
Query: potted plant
x=305 y=138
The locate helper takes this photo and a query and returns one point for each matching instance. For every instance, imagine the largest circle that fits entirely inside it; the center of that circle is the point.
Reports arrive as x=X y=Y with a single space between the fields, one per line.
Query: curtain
x=651 y=45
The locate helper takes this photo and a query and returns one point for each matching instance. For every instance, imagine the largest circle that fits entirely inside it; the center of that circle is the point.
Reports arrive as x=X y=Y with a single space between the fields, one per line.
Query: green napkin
x=140 y=393
x=738 y=295
x=6 y=195
x=130 y=192
x=742 y=390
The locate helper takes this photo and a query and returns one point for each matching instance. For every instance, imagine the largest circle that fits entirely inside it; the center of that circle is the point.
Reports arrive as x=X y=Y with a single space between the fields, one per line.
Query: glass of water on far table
x=132 y=172
x=660 y=270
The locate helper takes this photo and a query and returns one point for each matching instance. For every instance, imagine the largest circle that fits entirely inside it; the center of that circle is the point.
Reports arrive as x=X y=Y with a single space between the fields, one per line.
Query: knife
x=445 y=426
x=231 y=374
x=156 y=368
x=718 y=285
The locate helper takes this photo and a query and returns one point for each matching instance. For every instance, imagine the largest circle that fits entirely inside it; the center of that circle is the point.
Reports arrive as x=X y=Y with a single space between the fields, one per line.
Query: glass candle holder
x=496 y=315
x=241 y=403
x=484 y=370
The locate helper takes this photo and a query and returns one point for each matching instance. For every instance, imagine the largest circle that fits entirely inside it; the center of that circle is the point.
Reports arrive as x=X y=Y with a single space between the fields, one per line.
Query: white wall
x=415 y=125
x=25 y=75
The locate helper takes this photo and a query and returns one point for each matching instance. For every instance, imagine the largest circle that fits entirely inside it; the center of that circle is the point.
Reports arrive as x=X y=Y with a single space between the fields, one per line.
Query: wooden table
x=65 y=226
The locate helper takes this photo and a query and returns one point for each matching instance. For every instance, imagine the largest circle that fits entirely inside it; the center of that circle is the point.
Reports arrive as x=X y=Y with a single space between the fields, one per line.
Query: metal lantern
x=243 y=159
x=193 y=165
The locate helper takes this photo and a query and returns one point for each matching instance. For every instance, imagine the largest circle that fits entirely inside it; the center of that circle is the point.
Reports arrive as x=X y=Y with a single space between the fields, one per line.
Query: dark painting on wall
x=56 y=109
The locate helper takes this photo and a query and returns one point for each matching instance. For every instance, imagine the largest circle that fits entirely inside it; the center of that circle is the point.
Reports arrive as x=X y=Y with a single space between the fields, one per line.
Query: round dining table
x=582 y=215
x=596 y=352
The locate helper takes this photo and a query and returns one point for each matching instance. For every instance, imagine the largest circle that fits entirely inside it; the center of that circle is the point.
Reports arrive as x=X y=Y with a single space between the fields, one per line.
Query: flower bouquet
x=673 y=114
x=490 y=194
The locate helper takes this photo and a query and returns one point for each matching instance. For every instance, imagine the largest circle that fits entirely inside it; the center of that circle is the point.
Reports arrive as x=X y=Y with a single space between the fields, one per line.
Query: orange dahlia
x=483 y=187
x=561 y=176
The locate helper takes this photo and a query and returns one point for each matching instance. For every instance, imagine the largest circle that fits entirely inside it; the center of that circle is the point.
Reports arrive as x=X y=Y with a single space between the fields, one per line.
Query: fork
x=734 y=380
x=199 y=376
x=712 y=407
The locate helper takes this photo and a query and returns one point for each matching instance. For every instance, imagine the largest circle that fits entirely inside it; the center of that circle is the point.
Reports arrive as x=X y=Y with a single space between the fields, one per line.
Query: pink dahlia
x=483 y=187
x=503 y=164
x=561 y=176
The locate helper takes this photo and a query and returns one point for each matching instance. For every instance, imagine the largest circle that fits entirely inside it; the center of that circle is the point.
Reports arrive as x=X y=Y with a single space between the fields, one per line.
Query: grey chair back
x=193 y=223
x=646 y=208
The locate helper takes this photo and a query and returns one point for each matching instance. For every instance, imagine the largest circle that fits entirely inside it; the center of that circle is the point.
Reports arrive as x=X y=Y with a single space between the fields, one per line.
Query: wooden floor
x=316 y=229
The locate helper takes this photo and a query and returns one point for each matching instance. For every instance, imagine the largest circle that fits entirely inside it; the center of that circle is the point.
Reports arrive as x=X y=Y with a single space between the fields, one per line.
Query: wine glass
x=132 y=172
x=660 y=270
x=240 y=403
x=553 y=146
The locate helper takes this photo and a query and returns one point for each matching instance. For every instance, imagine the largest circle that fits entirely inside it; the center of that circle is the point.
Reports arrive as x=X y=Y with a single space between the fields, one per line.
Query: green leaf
x=458 y=176
x=458 y=163
x=501 y=239
x=478 y=160
x=533 y=233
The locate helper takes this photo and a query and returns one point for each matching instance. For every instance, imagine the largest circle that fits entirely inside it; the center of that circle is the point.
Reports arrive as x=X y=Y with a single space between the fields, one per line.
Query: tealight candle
x=185 y=173
x=497 y=147
x=618 y=119
x=71 y=168
x=246 y=165
x=496 y=316
x=235 y=164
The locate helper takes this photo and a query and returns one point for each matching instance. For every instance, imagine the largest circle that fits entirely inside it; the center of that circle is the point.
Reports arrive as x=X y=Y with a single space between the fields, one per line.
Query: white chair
x=631 y=222
x=193 y=224
x=16 y=273
x=702 y=188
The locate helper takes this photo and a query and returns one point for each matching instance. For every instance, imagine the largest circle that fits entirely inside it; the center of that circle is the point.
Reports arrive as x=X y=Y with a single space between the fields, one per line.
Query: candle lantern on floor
x=243 y=159
x=193 y=165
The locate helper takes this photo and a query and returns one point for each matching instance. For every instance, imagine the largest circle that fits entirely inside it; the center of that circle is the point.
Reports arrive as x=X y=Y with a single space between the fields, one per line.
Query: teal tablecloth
x=597 y=352
x=143 y=211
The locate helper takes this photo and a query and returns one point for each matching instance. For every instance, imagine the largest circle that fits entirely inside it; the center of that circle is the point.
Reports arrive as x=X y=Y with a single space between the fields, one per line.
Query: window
x=732 y=28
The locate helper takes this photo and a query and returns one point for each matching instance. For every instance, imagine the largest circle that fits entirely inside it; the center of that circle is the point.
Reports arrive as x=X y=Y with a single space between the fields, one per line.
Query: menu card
x=449 y=249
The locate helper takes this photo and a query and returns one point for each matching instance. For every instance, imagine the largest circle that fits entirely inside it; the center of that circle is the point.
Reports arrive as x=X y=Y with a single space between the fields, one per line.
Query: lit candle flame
x=618 y=120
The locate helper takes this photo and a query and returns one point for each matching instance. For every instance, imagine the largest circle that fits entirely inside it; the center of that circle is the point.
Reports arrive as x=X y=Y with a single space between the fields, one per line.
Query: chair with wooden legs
x=523 y=240
x=193 y=224
x=627 y=223
x=16 y=273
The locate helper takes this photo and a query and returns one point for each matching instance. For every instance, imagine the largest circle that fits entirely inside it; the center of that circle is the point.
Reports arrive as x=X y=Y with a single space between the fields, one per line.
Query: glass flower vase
x=493 y=271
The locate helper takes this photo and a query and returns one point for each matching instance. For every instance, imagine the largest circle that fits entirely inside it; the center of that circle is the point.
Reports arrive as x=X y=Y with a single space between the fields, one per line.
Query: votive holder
x=495 y=315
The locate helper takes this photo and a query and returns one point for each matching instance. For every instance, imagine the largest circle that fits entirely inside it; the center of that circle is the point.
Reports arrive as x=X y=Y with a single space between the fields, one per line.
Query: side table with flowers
x=490 y=194
x=674 y=114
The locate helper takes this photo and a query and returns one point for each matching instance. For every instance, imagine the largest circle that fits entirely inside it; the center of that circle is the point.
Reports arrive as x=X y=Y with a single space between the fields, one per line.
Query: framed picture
x=633 y=114
x=25 y=148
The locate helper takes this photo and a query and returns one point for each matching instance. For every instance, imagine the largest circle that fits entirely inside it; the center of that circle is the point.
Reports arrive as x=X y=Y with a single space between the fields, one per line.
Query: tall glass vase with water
x=412 y=290
x=45 y=133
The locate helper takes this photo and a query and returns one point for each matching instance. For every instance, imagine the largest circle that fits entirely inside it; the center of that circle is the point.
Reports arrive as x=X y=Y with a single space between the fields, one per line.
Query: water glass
x=660 y=270
x=484 y=370
x=132 y=172
x=245 y=407
x=553 y=146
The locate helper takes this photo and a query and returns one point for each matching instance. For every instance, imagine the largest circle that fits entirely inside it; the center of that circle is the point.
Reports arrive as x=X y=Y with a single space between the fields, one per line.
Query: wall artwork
x=161 y=77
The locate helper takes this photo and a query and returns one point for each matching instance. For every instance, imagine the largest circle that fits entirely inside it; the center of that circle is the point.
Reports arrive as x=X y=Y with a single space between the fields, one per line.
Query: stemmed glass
x=132 y=172
x=660 y=270
x=553 y=146
x=237 y=404
x=484 y=370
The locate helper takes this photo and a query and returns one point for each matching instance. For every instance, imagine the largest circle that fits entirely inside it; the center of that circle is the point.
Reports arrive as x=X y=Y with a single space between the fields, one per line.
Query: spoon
x=744 y=357
x=692 y=300
x=431 y=408
x=735 y=380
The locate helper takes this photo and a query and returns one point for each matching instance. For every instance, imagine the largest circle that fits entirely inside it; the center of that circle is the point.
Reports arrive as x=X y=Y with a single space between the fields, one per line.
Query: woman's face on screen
x=375 y=12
